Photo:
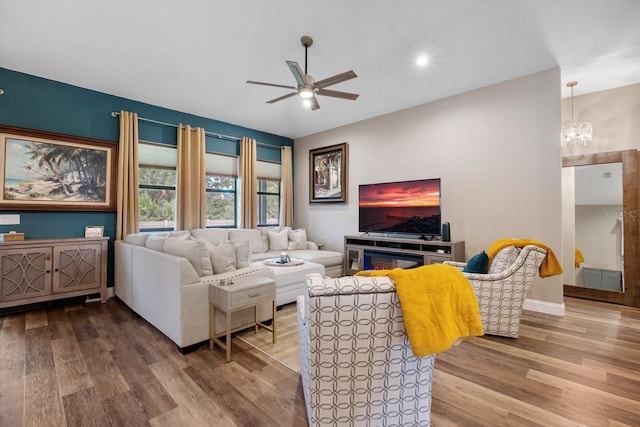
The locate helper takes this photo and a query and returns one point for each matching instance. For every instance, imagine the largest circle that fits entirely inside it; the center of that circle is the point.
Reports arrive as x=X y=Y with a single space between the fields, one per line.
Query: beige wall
x=496 y=150
x=614 y=114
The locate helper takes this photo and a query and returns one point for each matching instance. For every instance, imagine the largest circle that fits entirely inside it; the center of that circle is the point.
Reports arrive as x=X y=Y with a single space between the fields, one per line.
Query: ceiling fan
x=307 y=87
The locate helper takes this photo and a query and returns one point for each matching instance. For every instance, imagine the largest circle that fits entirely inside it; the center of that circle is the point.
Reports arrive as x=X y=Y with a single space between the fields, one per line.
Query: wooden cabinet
x=43 y=270
x=371 y=252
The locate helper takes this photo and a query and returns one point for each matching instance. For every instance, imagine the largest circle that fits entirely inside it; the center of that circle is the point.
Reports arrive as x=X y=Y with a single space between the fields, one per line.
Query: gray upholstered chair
x=356 y=361
x=501 y=293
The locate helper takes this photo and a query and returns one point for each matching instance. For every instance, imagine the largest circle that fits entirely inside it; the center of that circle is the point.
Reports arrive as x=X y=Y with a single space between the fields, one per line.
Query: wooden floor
x=95 y=364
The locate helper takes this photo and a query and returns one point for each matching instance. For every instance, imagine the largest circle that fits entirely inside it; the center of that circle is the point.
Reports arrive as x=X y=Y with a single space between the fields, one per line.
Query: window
x=157 y=186
x=157 y=198
x=221 y=187
x=221 y=201
x=268 y=202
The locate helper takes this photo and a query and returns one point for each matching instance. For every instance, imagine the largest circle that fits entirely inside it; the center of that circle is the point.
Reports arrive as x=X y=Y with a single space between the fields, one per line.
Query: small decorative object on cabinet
x=44 y=270
x=377 y=253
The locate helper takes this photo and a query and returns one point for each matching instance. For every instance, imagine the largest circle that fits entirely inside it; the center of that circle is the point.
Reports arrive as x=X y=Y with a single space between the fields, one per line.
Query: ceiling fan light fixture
x=305 y=92
x=306 y=86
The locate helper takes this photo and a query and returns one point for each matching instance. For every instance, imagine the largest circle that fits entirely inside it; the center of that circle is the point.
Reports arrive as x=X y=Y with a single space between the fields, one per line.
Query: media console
x=376 y=253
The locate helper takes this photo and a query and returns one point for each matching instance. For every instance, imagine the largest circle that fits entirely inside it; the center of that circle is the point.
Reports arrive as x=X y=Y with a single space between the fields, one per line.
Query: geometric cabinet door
x=25 y=273
x=76 y=267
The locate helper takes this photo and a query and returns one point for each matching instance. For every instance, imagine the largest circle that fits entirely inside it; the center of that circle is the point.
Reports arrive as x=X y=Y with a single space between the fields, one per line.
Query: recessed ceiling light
x=422 y=60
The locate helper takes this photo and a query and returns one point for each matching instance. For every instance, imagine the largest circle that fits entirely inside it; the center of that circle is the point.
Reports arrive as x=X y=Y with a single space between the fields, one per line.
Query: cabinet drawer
x=250 y=296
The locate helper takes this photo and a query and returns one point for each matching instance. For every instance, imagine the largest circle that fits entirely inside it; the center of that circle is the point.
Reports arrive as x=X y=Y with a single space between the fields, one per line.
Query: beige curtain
x=248 y=184
x=127 y=200
x=192 y=199
x=286 y=188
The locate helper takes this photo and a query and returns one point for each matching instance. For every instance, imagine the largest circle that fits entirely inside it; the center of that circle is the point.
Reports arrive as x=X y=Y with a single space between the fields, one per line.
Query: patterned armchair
x=501 y=293
x=356 y=361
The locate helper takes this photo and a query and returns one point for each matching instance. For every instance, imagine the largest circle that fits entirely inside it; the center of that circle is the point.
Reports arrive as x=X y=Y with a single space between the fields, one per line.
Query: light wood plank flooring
x=95 y=364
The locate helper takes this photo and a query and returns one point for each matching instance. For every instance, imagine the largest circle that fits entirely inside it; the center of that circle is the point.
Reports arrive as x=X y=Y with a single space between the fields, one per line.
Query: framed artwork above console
x=49 y=171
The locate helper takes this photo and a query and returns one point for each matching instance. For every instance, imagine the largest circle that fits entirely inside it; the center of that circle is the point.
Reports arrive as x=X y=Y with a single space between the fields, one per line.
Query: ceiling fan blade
x=314 y=103
x=347 y=75
x=336 y=94
x=297 y=72
x=270 y=84
x=289 y=95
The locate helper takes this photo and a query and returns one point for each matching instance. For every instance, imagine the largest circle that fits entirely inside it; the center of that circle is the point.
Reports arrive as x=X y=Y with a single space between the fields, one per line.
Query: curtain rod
x=217 y=135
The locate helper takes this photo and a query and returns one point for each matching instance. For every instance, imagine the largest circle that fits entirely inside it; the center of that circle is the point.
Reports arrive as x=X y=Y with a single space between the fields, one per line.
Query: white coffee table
x=245 y=292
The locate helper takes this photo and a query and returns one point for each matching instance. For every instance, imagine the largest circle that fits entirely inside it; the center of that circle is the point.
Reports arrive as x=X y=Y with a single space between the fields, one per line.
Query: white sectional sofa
x=165 y=277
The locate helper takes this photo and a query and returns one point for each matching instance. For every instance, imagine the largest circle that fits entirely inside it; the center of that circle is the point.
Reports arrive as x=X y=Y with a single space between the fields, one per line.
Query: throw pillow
x=278 y=240
x=478 y=264
x=297 y=239
x=194 y=250
x=155 y=242
x=254 y=236
x=243 y=254
x=223 y=257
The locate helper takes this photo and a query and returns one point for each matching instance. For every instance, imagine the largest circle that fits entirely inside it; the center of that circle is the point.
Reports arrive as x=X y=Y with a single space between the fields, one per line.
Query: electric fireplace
x=383 y=260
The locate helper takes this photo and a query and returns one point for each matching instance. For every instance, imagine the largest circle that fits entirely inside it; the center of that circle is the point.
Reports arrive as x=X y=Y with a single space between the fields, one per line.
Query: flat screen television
x=411 y=207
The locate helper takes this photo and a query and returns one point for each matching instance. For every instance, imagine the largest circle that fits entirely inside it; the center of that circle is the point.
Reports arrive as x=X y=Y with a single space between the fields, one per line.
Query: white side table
x=247 y=291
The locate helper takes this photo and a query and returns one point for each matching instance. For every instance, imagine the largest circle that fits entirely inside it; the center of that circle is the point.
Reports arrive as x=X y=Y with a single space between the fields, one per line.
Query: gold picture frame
x=53 y=172
x=328 y=174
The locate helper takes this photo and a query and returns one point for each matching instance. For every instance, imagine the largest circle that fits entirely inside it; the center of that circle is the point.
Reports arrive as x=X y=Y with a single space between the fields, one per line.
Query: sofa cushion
x=243 y=254
x=278 y=240
x=239 y=235
x=503 y=259
x=326 y=258
x=223 y=257
x=478 y=264
x=195 y=251
x=155 y=242
x=138 y=239
x=213 y=235
x=297 y=239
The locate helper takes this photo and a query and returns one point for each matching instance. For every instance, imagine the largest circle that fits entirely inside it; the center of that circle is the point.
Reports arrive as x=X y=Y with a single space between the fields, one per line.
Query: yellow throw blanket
x=579 y=258
x=550 y=265
x=438 y=306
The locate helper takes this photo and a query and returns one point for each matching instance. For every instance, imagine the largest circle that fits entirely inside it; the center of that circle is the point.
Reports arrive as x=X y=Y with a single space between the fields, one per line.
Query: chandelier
x=575 y=134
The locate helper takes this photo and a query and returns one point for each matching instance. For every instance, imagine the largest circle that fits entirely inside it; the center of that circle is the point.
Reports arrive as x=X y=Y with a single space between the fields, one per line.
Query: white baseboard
x=110 y=293
x=544 y=307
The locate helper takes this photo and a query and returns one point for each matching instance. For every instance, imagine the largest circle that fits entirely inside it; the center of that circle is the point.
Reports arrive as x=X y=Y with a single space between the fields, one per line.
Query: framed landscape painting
x=47 y=171
x=328 y=174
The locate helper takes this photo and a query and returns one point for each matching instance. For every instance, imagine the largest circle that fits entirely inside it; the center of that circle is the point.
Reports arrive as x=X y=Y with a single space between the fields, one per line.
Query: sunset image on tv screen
x=403 y=207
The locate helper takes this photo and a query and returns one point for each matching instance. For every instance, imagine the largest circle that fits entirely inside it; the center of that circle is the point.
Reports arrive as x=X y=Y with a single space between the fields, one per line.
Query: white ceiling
x=195 y=56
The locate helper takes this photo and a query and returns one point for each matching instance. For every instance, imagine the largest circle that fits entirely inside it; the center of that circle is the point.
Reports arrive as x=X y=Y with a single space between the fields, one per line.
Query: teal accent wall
x=36 y=103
